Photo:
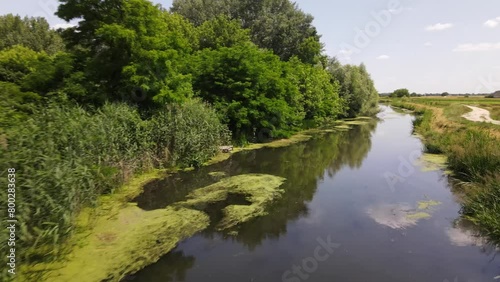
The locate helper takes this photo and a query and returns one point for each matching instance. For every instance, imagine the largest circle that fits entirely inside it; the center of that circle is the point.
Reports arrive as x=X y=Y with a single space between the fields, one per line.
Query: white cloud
x=492 y=23
x=428 y=44
x=345 y=54
x=383 y=57
x=439 y=27
x=478 y=47
x=63 y=25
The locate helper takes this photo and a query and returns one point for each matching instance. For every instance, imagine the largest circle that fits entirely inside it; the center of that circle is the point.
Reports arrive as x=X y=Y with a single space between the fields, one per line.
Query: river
x=358 y=206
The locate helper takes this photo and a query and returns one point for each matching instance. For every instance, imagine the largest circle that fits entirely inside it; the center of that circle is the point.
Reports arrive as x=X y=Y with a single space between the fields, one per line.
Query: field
x=472 y=148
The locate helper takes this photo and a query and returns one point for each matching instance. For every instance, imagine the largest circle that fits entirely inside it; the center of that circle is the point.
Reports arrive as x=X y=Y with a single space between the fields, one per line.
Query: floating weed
x=431 y=162
x=423 y=205
x=259 y=190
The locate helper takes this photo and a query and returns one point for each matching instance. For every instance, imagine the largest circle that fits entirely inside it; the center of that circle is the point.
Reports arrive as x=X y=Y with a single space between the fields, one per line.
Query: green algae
x=118 y=238
x=432 y=162
x=217 y=174
x=423 y=205
x=259 y=190
x=343 y=127
x=418 y=215
x=131 y=240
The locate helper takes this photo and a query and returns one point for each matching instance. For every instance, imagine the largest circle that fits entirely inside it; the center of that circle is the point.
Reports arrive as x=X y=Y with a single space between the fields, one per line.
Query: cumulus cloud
x=439 y=27
x=383 y=57
x=492 y=23
x=477 y=47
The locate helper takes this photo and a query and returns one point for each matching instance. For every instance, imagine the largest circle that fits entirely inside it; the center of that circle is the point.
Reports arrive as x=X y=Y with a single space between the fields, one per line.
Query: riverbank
x=473 y=151
x=118 y=238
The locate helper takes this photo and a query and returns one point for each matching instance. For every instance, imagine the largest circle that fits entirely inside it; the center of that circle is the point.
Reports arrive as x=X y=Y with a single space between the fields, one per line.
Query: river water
x=350 y=213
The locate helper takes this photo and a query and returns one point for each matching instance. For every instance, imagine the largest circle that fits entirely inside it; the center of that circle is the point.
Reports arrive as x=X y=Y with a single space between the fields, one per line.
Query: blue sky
x=423 y=45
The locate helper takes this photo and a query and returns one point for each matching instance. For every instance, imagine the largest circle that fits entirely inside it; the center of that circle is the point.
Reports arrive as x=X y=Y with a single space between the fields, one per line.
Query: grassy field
x=472 y=148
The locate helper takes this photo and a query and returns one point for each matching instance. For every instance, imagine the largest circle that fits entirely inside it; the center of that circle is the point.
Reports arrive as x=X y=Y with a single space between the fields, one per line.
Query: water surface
x=358 y=189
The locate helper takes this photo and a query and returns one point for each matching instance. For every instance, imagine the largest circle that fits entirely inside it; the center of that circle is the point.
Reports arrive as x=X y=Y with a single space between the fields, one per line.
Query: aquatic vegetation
x=402 y=215
x=217 y=174
x=432 y=162
x=258 y=189
x=127 y=242
x=417 y=216
x=423 y=205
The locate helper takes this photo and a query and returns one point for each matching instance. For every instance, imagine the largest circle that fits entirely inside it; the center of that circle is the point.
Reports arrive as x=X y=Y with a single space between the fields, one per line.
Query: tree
x=399 y=93
x=131 y=50
x=278 y=25
x=319 y=96
x=30 y=32
x=356 y=87
x=444 y=94
x=247 y=87
x=222 y=32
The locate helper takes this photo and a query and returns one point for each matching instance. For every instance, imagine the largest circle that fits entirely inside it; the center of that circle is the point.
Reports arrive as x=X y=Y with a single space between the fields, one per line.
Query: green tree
x=356 y=87
x=39 y=72
x=278 y=25
x=247 y=87
x=319 y=96
x=132 y=50
x=399 y=93
x=30 y=32
x=222 y=32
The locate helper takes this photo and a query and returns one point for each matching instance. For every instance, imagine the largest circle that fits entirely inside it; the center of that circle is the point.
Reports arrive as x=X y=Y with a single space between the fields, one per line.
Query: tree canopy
x=32 y=33
x=399 y=93
x=278 y=25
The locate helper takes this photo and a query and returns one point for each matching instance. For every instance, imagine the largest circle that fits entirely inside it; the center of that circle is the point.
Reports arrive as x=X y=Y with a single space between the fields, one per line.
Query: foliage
x=356 y=88
x=222 y=32
x=247 y=87
x=399 y=93
x=319 y=97
x=136 y=52
x=30 y=32
x=278 y=25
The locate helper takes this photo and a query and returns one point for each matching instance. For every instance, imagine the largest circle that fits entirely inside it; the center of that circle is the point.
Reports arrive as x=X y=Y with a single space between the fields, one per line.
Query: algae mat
x=258 y=189
x=129 y=242
x=131 y=238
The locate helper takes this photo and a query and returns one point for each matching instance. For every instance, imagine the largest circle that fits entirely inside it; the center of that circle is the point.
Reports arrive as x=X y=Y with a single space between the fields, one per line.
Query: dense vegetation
x=473 y=151
x=134 y=87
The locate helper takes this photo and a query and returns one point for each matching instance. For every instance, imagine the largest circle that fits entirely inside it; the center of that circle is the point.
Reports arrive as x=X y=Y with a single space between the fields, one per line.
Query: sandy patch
x=479 y=115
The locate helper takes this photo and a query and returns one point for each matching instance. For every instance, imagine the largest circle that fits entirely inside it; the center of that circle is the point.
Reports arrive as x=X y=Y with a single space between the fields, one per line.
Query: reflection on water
x=335 y=187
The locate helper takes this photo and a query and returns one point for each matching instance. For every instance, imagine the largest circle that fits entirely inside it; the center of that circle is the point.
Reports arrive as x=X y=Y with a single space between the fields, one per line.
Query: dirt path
x=480 y=115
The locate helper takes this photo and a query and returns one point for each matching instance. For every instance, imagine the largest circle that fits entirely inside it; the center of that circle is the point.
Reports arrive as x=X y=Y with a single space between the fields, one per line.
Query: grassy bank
x=473 y=151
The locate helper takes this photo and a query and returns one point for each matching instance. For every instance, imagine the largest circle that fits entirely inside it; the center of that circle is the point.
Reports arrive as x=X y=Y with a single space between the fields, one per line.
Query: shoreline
x=120 y=228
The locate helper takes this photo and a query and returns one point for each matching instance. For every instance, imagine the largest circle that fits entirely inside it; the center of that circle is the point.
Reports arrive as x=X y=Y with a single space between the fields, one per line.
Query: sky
x=427 y=46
